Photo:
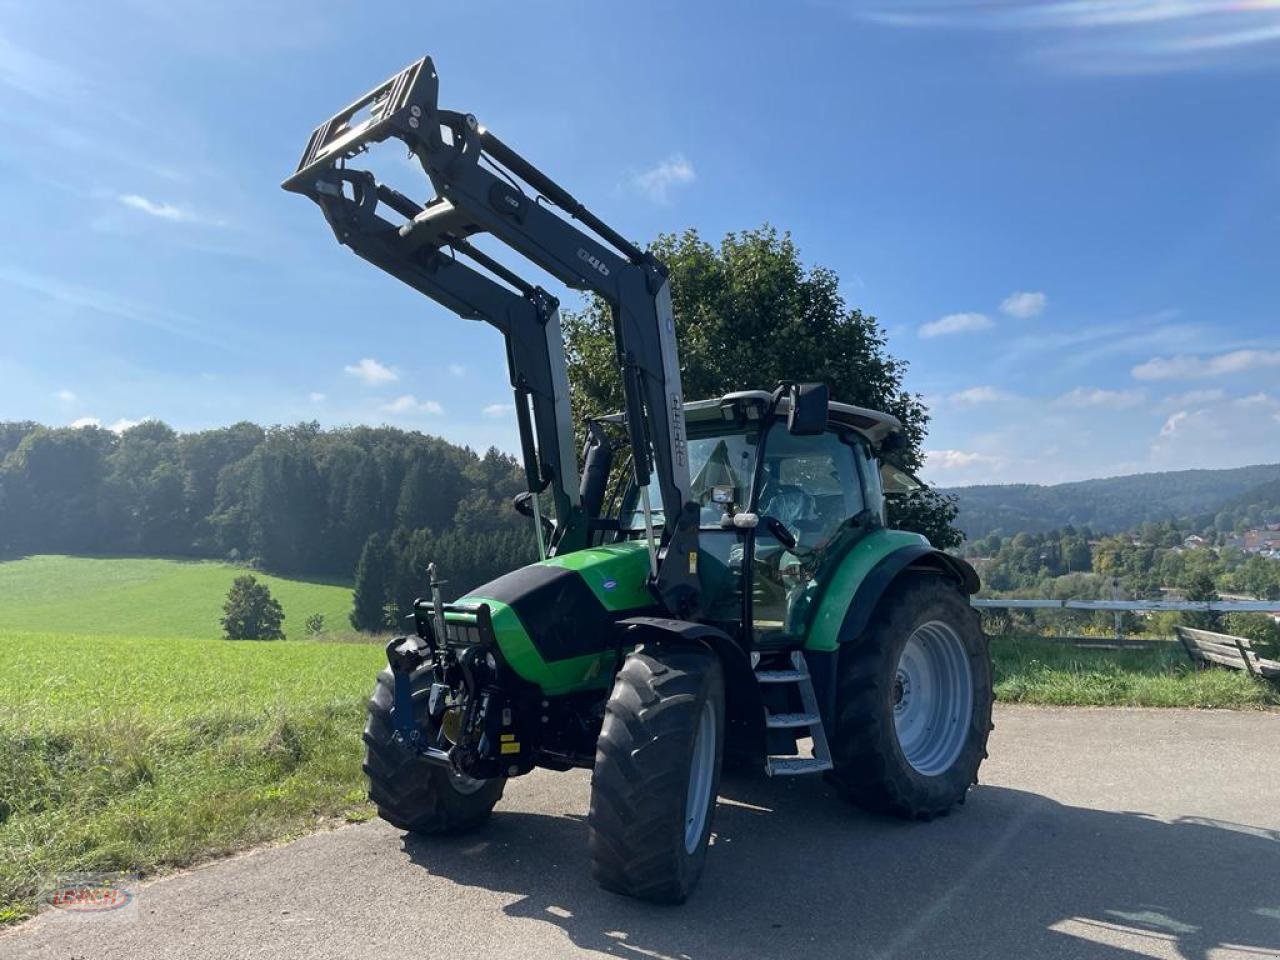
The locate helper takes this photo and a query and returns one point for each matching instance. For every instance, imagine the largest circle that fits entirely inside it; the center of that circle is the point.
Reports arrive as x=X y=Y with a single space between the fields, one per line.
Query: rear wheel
x=657 y=772
x=914 y=702
x=410 y=792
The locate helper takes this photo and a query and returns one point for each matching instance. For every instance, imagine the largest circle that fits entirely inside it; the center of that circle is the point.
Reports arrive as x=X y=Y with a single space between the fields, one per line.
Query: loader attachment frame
x=482 y=186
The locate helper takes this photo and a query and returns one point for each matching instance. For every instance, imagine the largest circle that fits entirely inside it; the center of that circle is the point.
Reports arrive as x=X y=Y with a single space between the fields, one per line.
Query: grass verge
x=135 y=754
x=1031 y=671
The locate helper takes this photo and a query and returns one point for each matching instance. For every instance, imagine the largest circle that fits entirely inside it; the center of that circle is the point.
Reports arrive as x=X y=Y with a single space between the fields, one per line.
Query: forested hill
x=1109 y=504
x=295 y=499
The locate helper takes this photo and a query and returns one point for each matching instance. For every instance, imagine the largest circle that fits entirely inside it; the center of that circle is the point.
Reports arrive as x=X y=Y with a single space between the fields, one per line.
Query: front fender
x=744 y=709
x=849 y=600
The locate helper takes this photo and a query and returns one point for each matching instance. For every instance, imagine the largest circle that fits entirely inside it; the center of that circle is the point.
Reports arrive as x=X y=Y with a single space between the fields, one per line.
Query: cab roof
x=872 y=424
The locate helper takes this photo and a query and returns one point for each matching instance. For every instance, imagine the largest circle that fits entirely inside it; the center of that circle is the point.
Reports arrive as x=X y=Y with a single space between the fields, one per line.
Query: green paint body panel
x=824 y=629
x=616 y=574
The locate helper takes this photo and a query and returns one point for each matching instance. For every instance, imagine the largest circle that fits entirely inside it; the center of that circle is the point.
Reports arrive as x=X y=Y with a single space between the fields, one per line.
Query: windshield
x=720 y=466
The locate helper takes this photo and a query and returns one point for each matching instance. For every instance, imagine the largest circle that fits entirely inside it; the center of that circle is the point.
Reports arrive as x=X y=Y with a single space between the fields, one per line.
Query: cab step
x=794 y=766
x=783 y=721
x=808 y=719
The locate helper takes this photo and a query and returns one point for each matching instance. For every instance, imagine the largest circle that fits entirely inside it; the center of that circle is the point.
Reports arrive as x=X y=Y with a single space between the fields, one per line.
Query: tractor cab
x=780 y=499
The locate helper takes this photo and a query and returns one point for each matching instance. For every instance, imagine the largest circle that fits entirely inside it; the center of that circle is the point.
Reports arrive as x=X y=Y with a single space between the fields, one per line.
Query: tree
x=250 y=612
x=372 y=589
x=1200 y=587
x=749 y=314
x=315 y=624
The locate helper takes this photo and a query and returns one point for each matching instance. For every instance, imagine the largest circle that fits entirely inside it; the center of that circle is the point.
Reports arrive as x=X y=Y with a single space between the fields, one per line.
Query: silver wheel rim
x=701 y=767
x=463 y=784
x=932 y=698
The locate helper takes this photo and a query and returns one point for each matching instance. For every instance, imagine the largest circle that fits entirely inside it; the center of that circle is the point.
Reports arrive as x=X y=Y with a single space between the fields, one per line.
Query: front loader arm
x=471 y=198
x=529 y=321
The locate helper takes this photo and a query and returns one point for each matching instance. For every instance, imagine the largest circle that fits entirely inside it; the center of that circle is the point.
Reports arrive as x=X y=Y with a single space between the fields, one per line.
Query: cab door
x=810 y=485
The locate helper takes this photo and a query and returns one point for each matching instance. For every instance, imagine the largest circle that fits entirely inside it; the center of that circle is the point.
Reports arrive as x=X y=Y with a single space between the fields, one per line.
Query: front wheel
x=657 y=773
x=914 y=702
x=410 y=792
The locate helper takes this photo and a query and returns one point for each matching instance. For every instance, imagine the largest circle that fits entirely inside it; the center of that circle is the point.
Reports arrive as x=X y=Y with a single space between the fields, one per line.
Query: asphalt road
x=1096 y=834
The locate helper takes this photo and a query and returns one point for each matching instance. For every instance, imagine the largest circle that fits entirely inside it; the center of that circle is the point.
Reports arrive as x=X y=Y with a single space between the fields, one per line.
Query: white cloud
x=85 y=422
x=165 y=211
x=1083 y=398
x=1119 y=37
x=316 y=397
x=1171 y=425
x=958 y=459
x=656 y=182
x=457 y=369
x=1192 y=398
x=973 y=396
x=1024 y=306
x=1187 y=366
x=123 y=424
x=371 y=372
x=955 y=323
x=498 y=409
x=408 y=403
x=66 y=396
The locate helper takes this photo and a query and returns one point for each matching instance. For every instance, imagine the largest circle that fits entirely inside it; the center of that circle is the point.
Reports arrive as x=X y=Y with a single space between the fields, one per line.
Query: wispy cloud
x=496 y=410
x=316 y=397
x=371 y=372
x=66 y=396
x=657 y=182
x=973 y=396
x=167 y=211
x=100 y=301
x=34 y=75
x=408 y=403
x=457 y=369
x=1105 y=36
x=1084 y=398
x=955 y=323
x=81 y=422
x=1024 y=305
x=1187 y=366
x=958 y=459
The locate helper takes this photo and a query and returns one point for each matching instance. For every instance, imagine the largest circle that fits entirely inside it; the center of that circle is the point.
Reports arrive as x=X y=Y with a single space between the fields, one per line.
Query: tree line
x=290 y=499
x=1076 y=564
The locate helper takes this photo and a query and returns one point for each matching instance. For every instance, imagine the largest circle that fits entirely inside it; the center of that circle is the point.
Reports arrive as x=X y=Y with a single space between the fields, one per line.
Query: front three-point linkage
x=477 y=181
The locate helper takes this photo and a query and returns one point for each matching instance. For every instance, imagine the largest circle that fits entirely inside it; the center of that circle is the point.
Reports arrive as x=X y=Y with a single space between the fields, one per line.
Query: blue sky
x=1066 y=215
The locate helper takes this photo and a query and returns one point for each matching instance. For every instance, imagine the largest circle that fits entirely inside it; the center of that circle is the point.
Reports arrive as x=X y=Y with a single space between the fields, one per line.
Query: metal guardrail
x=1219 y=606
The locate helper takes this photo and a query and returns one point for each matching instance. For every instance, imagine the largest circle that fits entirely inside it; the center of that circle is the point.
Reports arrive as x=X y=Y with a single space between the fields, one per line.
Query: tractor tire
x=913 y=708
x=657 y=772
x=410 y=792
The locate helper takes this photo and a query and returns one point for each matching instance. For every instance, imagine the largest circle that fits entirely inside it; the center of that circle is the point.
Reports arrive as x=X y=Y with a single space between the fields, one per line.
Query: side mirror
x=779 y=531
x=807 y=416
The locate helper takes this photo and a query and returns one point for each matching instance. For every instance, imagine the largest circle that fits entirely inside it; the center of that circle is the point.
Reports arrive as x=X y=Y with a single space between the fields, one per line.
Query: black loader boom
x=482 y=186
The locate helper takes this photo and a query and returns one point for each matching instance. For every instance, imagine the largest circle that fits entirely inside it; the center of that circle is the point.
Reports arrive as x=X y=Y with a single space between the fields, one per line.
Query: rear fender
x=744 y=710
x=890 y=569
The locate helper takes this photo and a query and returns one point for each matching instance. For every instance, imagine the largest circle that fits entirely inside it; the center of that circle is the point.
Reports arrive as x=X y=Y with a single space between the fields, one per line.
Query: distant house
x=1261 y=541
x=1194 y=542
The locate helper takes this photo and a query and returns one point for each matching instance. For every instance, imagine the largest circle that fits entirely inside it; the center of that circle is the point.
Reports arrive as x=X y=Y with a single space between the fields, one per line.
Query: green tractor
x=717 y=581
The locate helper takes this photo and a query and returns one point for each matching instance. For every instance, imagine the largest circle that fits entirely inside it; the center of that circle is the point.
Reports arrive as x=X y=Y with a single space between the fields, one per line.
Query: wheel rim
x=463 y=784
x=701 y=769
x=932 y=698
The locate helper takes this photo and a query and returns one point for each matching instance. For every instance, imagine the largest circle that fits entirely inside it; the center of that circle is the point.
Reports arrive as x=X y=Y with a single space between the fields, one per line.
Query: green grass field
x=120 y=753
x=141 y=597
x=132 y=738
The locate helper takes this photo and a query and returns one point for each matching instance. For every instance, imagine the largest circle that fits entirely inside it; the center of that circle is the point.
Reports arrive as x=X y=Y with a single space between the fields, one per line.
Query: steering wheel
x=794 y=507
